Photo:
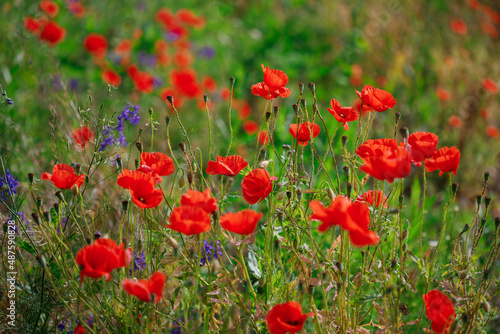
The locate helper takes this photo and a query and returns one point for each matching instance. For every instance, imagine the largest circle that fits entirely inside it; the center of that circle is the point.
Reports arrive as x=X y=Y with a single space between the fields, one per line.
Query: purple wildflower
x=8 y=185
x=206 y=52
x=208 y=252
x=128 y=114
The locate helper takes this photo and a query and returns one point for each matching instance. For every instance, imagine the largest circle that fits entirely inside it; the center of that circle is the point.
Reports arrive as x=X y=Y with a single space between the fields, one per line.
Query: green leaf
x=253 y=265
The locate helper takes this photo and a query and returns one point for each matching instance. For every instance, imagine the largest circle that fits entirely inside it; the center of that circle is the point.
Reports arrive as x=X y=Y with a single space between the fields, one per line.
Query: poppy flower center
x=293 y=323
x=141 y=199
x=341 y=115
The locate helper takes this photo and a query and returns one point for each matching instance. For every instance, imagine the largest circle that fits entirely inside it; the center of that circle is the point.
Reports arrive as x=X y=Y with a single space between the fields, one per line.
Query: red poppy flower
x=335 y=214
x=250 y=127
x=264 y=137
x=257 y=185
x=422 y=145
x=33 y=25
x=146 y=290
x=202 y=200
x=141 y=186
x=304 y=132
x=186 y=82
x=157 y=164
x=100 y=258
x=369 y=147
x=261 y=89
x=274 y=78
x=209 y=83
x=231 y=166
x=377 y=99
x=361 y=108
x=82 y=136
x=286 y=318
x=187 y=17
x=374 y=198
x=164 y=15
x=490 y=86
x=458 y=26
x=474 y=4
x=243 y=222
x=490 y=29
x=439 y=310
x=96 y=45
x=79 y=330
x=343 y=114
x=244 y=111
x=455 y=121
x=446 y=159
x=143 y=81
x=49 y=7
x=111 y=78
x=124 y=47
x=443 y=94
x=183 y=59
x=52 y=33
x=492 y=132
x=189 y=220
x=225 y=93
x=64 y=177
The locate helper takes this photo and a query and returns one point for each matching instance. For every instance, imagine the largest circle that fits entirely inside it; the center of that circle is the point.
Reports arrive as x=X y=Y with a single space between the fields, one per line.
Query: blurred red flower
x=377 y=99
x=439 y=310
x=49 y=7
x=64 y=177
x=189 y=18
x=33 y=25
x=263 y=137
x=446 y=159
x=189 y=220
x=244 y=111
x=209 y=83
x=124 y=47
x=343 y=114
x=202 y=200
x=455 y=121
x=286 y=318
x=250 y=127
x=422 y=145
x=157 y=164
x=257 y=185
x=146 y=290
x=243 y=222
x=231 y=165
x=459 y=26
x=79 y=330
x=183 y=59
x=77 y=9
x=143 y=81
x=111 y=78
x=52 y=33
x=490 y=86
x=443 y=94
x=374 y=198
x=186 y=82
x=81 y=136
x=304 y=132
x=491 y=131
x=95 y=44
x=141 y=186
x=100 y=258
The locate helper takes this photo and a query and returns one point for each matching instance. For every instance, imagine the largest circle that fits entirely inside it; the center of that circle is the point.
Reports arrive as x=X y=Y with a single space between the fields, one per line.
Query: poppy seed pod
x=479 y=199
x=75 y=190
x=140 y=146
x=487 y=201
x=303 y=103
x=125 y=206
x=301 y=88
x=347 y=171
x=205 y=98
x=275 y=110
x=182 y=147
x=170 y=99
x=231 y=80
x=486 y=176
x=96 y=236
x=167 y=120
x=150 y=111
x=59 y=195
x=46 y=215
x=119 y=162
x=41 y=260
x=31 y=178
x=137 y=164
x=268 y=115
x=312 y=87
x=36 y=218
x=454 y=188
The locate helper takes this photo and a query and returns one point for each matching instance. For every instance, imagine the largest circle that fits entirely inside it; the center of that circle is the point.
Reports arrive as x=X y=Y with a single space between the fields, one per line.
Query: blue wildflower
x=8 y=185
x=208 y=252
x=128 y=114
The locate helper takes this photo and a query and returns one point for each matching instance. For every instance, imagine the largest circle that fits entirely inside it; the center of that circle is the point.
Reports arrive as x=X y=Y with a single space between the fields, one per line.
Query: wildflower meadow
x=254 y=167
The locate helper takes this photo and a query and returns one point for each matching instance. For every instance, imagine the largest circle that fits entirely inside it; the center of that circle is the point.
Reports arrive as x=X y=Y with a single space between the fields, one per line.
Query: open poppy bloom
x=492 y=132
x=96 y=45
x=141 y=186
x=422 y=145
x=79 y=330
x=257 y=185
x=143 y=81
x=439 y=310
x=64 y=177
x=369 y=147
x=230 y=166
x=157 y=164
x=52 y=33
x=187 y=17
x=202 y=200
x=146 y=290
x=111 y=78
x=49 y=7
x=261 y=89
x=352 y=217
x=446 y=159
x=458 y=26
x=377 y=99
x=343 y=114
x=186 y=83
x=82 y=136
x=490 y=86
x=189 y=220
x=273 y=84
x=33 y=25
x=243 y=222
x=286 y=318
x=304 y=132
x=374 y=198
x=100 y=258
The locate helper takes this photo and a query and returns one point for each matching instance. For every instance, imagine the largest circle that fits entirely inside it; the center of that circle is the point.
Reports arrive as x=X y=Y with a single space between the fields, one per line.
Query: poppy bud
x=404 y=132
x=231 y=80
x=347 y=171
x=275 y=110
x=497 y=222
x=289 y=194
x=405 y=247
x=268 y=115
x=137 y=164
x=483 y=222
x=139 y=146
x=141 y=131
x=215 y=214
x=404 y=235
x=36 y=218
x=303 y=103
x=190 y=178
x=75 y=190
x=97 y=236
x=150 y=110
x=59 y=195
x=454 y=188
x=486 y=176
x=398 y=116
x=170 y=99
x=264 y=164
x=301 y=88
x=182 y=182
x=125 y=206
x=401 y=199
x=88 y=241
x=46 y=215
x=299 y=194
x=182 y=147
x=486 y=306
x=465 y=318
x=286 y=147
x=56 y=207
x=281 y=216
x=466 y=228
x=312 y=87
x=487 y=201
x=296 y=109
x=330 y=193
x=39 y=202
x=349 y=189
x=31 y=177
x=344 y=141
x=479 y=199
x=41 y=259
x=167 y=120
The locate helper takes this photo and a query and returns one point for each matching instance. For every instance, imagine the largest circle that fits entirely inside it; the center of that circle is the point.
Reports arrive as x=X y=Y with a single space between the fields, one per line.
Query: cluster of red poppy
x=273 y=85
x=257 y=185
x=44 y=27
x=230 y=166
x=490 y=25
x=82 y=136
x=64 y=177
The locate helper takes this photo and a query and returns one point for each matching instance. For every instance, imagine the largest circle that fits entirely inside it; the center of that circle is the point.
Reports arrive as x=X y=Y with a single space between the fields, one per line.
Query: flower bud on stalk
x=182 y=147
x=36 y=218
x=150 y=110
x=347 y=171
x=275 y=111
x=182 y=182
x=60 y=196
x=75 y=190
x=296 y=110
x=268 y=115
x=205 y=98
x=39 y=202
x=281 y=216
x=125 y=206
x=497 y=222
x=190 y=178
x=486 y=176
x=41 y=260
x=331 y=194
x=31 y=178
x=46 y=216
x=479 y=199
x=454 y=188
x=299 y=194
x=303 y=103
x=231 y=80
x=487 y=201
x=301 y=88
x=140 y=146
x=170 y=100
x=312 y=87
x=137 y=164
x=167 y=120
